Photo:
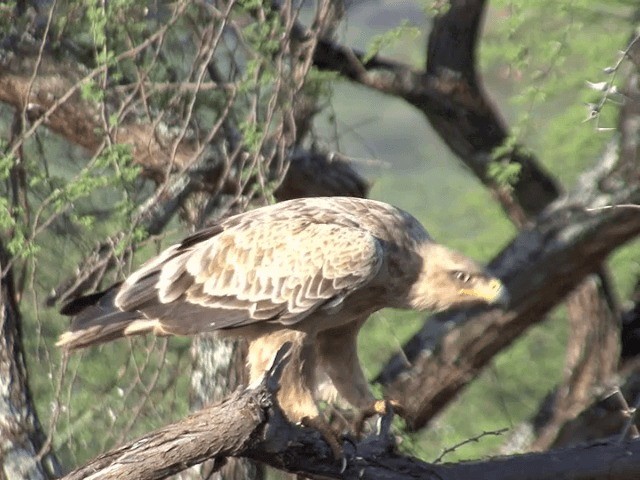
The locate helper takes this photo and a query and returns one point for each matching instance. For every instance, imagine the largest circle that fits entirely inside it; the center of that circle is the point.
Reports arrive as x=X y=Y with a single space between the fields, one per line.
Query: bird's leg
x=386 y=408
x=338 y=356
x=332 y=437
x=297 y=382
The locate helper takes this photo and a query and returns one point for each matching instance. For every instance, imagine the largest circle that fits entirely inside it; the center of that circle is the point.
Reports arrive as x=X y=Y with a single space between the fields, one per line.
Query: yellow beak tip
x=501 y=297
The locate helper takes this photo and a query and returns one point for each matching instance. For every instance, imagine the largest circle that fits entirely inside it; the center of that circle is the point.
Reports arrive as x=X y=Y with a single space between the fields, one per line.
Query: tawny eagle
x=310 y=271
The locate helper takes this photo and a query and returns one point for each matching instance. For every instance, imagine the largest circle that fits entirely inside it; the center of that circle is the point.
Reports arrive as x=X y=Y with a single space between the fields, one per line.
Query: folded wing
x=231 y=276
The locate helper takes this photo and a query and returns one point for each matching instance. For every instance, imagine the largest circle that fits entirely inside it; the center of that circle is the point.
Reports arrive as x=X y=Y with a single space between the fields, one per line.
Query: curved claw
x=329 y=435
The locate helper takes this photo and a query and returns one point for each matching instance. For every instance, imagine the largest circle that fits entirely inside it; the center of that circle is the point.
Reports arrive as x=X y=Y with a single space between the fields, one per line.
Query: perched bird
x=309 y=271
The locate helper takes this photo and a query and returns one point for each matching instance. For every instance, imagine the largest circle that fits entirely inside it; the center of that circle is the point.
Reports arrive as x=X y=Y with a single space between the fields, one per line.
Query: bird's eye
x=464 y=277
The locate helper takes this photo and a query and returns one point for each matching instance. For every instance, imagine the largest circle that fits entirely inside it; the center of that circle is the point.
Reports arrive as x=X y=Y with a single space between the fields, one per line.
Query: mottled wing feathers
x=278 y=271
x=247 y=269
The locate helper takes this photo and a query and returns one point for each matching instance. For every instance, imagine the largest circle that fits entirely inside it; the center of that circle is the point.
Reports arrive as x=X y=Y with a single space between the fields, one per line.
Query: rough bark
x=610 y=416
x=592 y=358
x=248 y=423
x=542 y=265
x=199 y=161
x=450 y=94
x=183 y=168
x=218 y=370
x=446 y=97
x=24 y=450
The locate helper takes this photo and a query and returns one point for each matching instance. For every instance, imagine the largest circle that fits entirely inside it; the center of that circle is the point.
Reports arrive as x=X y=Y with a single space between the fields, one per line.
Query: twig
x=476 y=439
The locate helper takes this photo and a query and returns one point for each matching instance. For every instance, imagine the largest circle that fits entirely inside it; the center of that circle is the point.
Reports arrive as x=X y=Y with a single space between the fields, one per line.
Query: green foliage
x=505 y=174
x=549 y=68
x=264 y=37
x=543 y=51
x=436 y=7
x=501 y=170
x=6 y=219
x=544 y=70
x=6 y=162
x=91 y=91
x=92 y=178
x=388 y=38
x=252 y=136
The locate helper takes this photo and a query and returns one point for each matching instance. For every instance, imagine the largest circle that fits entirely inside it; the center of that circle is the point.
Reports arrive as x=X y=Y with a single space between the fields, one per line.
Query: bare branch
x=450 y=94
x=542 y=264
x=539 y=267
x=250 y=424
x=24 y=450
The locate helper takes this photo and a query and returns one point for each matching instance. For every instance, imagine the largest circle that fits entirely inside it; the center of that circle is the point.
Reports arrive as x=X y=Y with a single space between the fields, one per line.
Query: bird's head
x=449 y=279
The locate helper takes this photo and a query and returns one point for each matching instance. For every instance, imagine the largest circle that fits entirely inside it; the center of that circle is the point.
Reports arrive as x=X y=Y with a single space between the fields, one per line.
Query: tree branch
x=541 y=266
x=451 y=96
x=24 y=451
x=249 y=423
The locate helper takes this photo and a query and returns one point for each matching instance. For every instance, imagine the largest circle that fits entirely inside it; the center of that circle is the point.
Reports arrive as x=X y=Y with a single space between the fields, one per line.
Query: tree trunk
x=25 y=452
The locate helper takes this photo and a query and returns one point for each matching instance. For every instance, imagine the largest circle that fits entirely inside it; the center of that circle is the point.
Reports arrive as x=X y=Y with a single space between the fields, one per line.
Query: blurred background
x=85 y=201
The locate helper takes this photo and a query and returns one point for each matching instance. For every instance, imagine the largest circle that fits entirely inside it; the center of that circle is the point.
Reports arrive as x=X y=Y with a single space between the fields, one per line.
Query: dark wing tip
x=78 y=305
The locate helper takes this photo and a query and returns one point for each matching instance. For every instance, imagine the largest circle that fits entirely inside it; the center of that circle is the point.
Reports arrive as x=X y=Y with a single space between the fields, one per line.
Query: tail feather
x=92 y=335
x=98 y=320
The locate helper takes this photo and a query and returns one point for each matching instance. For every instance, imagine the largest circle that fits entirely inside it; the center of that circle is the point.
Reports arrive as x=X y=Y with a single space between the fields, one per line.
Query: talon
x=350 y=440
x=343 y=467
x=329 y=435
x=379 y=407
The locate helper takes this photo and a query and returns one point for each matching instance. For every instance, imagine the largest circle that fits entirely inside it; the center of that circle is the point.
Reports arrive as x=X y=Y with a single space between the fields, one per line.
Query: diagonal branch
x=249 y=423
x=451 y=96
x=540 y=267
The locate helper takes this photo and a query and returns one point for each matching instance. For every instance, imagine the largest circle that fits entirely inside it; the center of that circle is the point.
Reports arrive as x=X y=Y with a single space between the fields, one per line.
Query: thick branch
x=217 y=432
x=248 y=424
x=451 y=96
x=540 y=267
x=592 y=359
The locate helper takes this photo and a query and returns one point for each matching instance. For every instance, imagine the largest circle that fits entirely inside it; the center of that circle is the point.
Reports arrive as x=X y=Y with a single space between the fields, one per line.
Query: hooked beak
x=493 y=292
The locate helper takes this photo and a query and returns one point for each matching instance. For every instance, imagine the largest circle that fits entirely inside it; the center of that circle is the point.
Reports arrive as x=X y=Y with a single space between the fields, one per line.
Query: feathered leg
x=297 y=383
x=338 y=355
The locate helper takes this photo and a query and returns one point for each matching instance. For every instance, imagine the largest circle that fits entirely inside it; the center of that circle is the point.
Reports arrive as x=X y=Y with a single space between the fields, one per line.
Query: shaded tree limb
x=543 y=264
x=449 y=92
x=608 y=417
x=540 y=267
x=539 y=272
x=250 y=424
x=451 y=95
x=309 y=173
x=592 y=358
x=180 y=167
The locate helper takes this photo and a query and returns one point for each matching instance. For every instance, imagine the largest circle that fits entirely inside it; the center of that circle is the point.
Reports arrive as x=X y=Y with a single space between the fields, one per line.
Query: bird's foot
x=330 y=435
x=386 y=409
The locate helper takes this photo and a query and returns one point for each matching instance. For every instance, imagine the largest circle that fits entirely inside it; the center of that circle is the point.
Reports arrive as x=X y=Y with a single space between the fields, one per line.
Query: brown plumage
x=309 y=271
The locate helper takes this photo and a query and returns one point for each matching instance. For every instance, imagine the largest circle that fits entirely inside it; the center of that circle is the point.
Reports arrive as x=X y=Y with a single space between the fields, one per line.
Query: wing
x=279 y=271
